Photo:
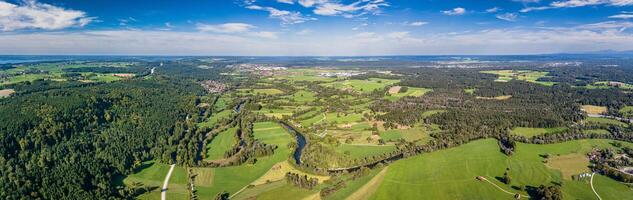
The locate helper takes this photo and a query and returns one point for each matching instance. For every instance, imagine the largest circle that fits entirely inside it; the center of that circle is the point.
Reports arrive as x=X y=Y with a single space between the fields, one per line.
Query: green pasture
x=221 y=143
x=531 y=132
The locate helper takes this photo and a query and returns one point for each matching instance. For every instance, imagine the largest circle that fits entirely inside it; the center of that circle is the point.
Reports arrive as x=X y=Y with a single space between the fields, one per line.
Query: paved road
x=163 y=193
x=594 y=190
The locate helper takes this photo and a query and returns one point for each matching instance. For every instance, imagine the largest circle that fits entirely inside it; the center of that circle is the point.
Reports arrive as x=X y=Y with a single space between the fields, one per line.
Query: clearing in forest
x=6 y=93
x=531 y=132
x=594 y=110
x=503 y=97
x=523 y=75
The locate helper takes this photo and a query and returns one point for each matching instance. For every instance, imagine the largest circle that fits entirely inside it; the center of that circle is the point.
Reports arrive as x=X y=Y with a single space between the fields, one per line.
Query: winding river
x=301 y=142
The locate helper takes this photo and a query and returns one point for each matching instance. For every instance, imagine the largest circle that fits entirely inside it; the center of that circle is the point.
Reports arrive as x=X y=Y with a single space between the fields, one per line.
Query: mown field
x=232 y=179
x=522 y=75
x=152 y=174
x=530 y=132
x=450 y=174
x=221 y=143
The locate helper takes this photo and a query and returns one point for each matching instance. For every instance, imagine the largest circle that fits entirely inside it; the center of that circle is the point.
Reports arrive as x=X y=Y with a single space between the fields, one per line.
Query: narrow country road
x=594 y=190
x=163 y=193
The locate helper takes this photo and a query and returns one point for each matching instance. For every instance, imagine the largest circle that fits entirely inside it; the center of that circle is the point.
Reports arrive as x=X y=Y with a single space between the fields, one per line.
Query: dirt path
x=503 y=190
x=592 y=188
x=163 y=192
x=368 y=189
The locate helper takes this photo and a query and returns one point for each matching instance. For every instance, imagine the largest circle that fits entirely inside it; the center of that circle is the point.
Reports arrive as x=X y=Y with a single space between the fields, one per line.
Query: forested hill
x=70 y=143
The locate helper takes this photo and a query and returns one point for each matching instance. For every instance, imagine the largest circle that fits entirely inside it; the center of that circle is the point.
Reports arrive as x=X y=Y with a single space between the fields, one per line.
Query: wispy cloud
x=225 y=28
x=579 y=3
x=511 y=17
x=33 y=15
x=417 y=23
x=622 y=16
x=493 y=10
x=286 y=17
x=455 y=11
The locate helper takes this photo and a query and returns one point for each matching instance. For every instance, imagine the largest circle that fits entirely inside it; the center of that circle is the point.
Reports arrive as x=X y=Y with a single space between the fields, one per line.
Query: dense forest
x=70 y=140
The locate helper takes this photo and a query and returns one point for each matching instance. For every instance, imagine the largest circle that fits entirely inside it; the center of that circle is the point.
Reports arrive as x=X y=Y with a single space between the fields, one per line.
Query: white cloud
x=493 y=10
x=286 y=17
x=33 y=15
x=335 y=8
x=579 y=3
x=455 y=11
x=417 y=23
x=286 y=1
x=511 y=17
x=589 y=37
x=225 y=28
x=622 y=16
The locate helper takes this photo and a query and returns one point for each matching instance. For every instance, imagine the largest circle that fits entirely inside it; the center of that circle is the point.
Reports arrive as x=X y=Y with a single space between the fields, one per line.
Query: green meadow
x=451 y=173
x=531 y=132
x=232 y=179
x=221 y=143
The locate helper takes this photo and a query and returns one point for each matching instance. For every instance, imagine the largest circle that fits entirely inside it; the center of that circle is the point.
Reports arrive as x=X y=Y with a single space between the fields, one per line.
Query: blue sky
x=314 y=27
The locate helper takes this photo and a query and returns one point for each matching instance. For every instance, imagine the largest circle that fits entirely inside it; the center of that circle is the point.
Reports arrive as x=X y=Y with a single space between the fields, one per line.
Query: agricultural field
x=627 y=112
x=451 y=173
x=531 y=132
x=152 y=174
x=500 y=98
x=221 y=143
x=594 y=110
x=522 y=75
x=396 y=93
x=606 y=121
x=361 y=86
x=233 y=179
x=63 y=71
x=6 y=93
x=605 y=85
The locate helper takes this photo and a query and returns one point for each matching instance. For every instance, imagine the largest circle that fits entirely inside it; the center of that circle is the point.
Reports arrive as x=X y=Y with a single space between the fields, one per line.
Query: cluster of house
x=340 y=74
x=214 y=86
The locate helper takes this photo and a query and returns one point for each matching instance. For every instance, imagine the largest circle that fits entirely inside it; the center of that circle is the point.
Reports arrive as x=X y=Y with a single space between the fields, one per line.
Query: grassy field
x=276 y=190
x=604 y=85
x=152 y=174
x=531 y=132
x=270 y=91
x=571 y=164
x=594 y=110
x=599 y=120
x=411 y=92
x=216 y=117
x=627 y=111
x=450 y=173
x=232 y=179
x=363 y=86
x=278 y=173
x=417 y=133
x=523 y=75
x=221 y=143
x=362 y=151
x=353 y=185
